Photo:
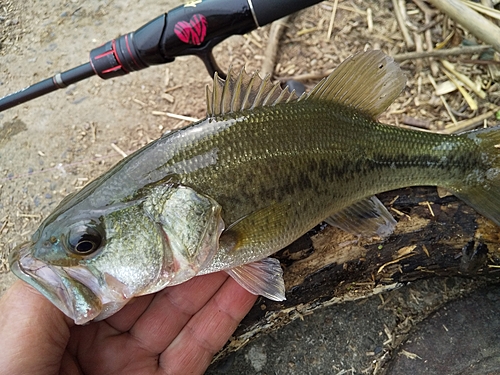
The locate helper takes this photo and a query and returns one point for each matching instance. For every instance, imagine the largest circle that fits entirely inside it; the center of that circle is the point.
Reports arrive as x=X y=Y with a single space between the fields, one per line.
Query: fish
x=225 y=193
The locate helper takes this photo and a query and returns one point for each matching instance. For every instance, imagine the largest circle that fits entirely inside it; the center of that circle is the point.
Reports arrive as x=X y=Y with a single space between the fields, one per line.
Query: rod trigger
x=208 y=59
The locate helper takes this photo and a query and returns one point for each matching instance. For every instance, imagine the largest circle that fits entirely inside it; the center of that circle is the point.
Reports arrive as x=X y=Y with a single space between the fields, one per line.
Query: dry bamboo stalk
x=469 y=124
x=470 y=101
x=464 y=79
x=410 y=44
x=418 y=48
x=277 y=28
x=443 y=100
x=332 y=20
x=118 y=149
x=429 y=15
x=441 y=53
x=369 y=19
x=487 y=3
x=478 y=25
x=486 y=10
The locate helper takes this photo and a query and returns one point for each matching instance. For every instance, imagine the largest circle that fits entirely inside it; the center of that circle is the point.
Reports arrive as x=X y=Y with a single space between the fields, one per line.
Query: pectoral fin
x=367 y=217
x=264 y=277
x=265 y=227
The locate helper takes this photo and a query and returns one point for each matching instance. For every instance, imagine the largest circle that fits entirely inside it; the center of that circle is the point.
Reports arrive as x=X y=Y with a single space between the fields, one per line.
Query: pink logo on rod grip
x=192 y=32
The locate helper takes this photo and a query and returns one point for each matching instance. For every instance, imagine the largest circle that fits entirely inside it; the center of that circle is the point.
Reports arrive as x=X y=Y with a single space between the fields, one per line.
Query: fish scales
x=312 y=157
x=315 y=153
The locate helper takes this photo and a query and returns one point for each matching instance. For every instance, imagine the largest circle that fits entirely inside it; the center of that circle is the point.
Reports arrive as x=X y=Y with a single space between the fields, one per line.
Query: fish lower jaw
x=73 y=299
x=112 y=294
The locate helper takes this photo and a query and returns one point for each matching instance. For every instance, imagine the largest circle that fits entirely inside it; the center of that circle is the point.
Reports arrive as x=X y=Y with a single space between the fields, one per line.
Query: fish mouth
x=70 y=296
x=64 y=287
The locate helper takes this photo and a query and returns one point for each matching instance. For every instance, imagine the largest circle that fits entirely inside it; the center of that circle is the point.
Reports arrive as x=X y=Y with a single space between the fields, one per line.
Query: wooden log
x=435 y=236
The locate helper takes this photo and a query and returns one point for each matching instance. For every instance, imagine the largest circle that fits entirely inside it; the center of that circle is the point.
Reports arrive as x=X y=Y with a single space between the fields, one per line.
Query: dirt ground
x=54 y=145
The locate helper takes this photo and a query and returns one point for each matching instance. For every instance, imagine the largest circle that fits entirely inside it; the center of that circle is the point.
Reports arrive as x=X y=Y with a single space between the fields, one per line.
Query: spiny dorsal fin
x=368 y=81
x=244 y=91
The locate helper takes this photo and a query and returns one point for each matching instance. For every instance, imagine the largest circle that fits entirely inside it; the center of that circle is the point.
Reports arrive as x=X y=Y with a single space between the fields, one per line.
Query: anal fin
x=366 y=218
x=264 y=277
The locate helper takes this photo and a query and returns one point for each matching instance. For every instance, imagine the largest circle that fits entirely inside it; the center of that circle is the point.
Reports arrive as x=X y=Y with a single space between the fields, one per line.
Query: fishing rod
x=190 y=29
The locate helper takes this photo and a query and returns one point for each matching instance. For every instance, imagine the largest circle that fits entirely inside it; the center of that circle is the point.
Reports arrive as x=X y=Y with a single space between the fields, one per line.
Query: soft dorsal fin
x=244 y=91
x=368 y=81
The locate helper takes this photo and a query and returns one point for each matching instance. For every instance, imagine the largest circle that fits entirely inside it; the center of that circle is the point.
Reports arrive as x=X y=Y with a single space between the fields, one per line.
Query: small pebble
x=52 y=47
x=15 y=21
x=70 y=90
x=492 y=296
x=257 y=358
x=297 y=86
x=78 y=101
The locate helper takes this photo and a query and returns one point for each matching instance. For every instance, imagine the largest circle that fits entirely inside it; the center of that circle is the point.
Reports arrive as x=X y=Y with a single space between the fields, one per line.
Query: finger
x=206 y=333
x=84 y=338
x=125 y=319
x=33 y=332
x=172 y=308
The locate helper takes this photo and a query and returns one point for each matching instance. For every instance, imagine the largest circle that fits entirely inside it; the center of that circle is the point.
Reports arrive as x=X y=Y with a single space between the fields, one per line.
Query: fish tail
x=481 y=188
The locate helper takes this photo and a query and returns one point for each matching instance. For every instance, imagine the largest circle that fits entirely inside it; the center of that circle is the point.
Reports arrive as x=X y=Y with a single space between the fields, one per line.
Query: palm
x=176 y=331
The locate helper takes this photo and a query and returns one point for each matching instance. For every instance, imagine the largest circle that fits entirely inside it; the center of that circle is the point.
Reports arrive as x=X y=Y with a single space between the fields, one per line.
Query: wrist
x=33 y=332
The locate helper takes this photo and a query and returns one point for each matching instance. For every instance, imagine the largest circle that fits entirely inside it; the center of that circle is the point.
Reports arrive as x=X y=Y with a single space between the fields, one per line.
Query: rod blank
x=59 y=81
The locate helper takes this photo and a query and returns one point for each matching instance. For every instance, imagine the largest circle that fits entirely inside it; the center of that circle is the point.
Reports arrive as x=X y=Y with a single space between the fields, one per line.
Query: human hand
x=175 y=331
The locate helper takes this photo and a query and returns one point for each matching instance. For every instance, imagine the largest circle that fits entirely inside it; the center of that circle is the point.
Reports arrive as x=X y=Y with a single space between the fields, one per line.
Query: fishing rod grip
x=190 y=29
x=193 y=28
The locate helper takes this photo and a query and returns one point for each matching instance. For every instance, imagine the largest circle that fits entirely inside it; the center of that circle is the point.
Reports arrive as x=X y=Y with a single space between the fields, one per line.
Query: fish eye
x=84 y=240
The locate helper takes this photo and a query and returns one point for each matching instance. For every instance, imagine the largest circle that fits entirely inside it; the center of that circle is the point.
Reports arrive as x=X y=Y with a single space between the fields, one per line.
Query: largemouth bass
x=226 y=192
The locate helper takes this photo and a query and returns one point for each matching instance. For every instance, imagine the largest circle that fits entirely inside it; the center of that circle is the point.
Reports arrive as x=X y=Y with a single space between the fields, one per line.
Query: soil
x=54 y=145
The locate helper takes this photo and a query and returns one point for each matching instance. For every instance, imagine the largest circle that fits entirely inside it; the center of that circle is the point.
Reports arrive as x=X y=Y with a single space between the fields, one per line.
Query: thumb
x=33 y=332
